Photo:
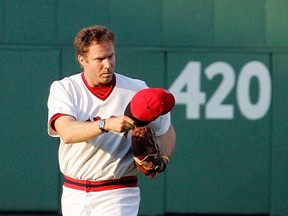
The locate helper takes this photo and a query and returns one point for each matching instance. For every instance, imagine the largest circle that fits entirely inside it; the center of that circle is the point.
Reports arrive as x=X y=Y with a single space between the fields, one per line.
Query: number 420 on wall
x=190 y=80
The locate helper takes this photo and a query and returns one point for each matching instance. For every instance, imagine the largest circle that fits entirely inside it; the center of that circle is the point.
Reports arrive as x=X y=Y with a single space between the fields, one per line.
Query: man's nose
x=107 y=63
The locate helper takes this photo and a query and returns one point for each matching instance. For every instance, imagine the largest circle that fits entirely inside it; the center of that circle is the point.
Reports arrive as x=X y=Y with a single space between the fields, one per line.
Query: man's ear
x=81 y=60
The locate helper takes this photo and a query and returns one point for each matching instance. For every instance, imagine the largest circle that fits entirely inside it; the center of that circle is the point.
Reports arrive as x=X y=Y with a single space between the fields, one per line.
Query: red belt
x=93 y=186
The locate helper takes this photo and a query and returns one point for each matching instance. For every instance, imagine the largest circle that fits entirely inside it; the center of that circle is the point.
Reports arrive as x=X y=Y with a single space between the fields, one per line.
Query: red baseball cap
x=148 y=104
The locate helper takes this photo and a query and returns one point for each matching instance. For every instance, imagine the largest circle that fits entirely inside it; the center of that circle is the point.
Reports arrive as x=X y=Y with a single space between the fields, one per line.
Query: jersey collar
x=101 y=92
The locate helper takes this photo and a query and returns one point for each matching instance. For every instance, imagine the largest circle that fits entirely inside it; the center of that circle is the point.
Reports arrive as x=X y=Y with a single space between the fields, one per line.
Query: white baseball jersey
x=109 y=155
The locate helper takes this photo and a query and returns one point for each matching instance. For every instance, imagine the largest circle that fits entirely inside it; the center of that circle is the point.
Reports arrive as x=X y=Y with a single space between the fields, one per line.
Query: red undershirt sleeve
x=53 y=119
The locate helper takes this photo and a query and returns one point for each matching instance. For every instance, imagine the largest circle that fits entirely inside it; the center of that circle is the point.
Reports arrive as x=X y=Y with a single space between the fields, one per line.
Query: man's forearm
x=167 y=142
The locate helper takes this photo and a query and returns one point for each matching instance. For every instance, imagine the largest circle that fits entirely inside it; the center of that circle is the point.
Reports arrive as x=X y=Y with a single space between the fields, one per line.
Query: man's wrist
x=165 y=159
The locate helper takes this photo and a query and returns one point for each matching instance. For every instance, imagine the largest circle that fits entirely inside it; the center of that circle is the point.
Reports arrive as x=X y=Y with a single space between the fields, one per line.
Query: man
x=86 y=111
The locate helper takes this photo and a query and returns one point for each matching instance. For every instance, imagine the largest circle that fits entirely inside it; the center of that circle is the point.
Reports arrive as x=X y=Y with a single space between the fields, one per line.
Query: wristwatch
x=101 y=126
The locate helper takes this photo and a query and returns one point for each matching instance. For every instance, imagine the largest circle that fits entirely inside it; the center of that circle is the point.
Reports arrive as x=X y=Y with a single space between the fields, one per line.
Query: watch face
x=101 y=124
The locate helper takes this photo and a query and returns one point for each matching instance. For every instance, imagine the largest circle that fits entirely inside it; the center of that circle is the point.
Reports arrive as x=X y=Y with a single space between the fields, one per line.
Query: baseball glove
x=146 y=152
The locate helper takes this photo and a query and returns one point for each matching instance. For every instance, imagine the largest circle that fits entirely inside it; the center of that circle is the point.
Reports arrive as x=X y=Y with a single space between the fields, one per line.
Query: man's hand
x=119 y=124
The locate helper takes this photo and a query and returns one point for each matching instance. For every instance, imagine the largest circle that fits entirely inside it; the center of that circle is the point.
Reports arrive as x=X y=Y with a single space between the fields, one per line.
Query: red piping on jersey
x=95 y=186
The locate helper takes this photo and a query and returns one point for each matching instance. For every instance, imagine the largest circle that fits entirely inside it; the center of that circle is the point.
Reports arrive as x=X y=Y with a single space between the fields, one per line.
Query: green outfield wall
x=226 y=62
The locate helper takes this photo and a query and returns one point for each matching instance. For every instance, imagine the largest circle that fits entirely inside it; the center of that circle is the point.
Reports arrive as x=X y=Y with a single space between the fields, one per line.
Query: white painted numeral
x=215 y=109
x=261 y=73
x=187 y=90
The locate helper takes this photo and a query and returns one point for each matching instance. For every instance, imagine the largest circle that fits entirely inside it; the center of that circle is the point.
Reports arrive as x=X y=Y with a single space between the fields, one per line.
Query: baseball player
x=86 y=111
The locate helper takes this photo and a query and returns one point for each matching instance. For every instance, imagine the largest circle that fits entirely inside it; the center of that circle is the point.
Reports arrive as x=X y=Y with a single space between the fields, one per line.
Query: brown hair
x=92 y=34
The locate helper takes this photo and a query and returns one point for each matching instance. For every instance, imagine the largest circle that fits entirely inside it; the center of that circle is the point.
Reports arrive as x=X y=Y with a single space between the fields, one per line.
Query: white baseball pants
x=116 y=202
